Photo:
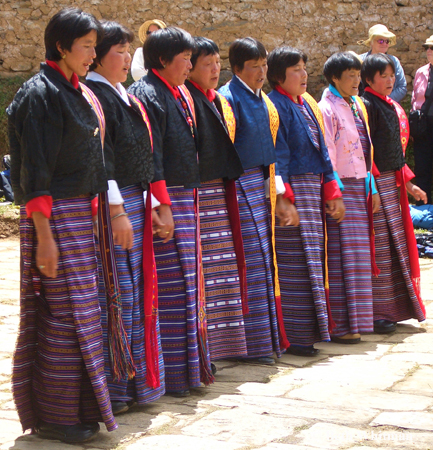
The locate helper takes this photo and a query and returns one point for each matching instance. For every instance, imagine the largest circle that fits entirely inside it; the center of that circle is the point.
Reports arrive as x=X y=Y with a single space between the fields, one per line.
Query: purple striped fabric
x=130 y=274
x=350 y=290
x=363 y=136
x=300 y=254
x=225 y=321
x=393 y=293
x=58 y=370
x=261 y=322
x=311 y=124
x=176 y=264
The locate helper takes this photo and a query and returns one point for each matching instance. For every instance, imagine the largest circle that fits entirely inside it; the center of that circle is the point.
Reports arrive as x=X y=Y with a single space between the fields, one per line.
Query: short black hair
x=205 y=47
x=279 y=60
x=164 y=44
x=245 y=49
x=66 y=26
x=373 y=64
x=338 y=63
x=114 y=33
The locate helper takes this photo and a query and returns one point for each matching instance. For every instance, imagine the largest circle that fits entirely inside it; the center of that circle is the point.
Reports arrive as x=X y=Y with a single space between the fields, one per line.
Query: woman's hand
x=166 y=217
x=376 y=203
x=157 y=224
x=286 y=211
x=47 y=254
x=336 y=209
x=121 y=227
x=416 y=192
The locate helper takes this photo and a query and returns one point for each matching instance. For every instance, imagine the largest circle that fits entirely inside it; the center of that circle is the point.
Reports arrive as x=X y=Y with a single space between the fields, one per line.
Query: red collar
x=210 y=93
x=279 y=89
x=385 y=98
x=174 y=90
x=74 y=79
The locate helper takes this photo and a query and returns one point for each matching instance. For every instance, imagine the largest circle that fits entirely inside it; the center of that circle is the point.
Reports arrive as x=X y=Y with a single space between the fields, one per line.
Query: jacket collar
x=173 y=89
x=238 y=82
x=279 y=89
x=210 y=93
x=73 y=81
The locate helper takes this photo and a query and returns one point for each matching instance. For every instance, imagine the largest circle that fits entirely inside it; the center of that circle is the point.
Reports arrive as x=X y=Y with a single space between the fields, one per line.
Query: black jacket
x=385 y=133
x=216 y=153
x=128 y=135
x=174 y=147
x=54 y=140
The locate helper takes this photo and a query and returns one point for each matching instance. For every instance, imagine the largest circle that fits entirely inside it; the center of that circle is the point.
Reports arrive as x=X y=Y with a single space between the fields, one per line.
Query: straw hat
x=142 y=31
x=379 y=30
x=428 y=42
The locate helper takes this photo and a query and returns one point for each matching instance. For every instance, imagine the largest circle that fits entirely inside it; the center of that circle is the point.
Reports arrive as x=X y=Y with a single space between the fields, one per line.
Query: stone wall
x=320 y=28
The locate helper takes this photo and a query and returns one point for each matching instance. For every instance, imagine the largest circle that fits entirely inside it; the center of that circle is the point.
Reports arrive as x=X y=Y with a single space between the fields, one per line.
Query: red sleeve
x=94 y=205
x=289 y=193
x=159 y=190
x=42 y=204
x=331 y=190
x=408 y=174
x=375 y=170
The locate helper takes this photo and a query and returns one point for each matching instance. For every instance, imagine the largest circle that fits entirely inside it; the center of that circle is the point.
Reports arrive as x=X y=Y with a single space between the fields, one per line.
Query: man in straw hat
x=137 y=65
x=379 y=40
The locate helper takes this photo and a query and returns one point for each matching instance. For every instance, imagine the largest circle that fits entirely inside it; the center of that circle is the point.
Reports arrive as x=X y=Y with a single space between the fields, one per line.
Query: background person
x=137 y=66
x=423 y=144
x=379 y=40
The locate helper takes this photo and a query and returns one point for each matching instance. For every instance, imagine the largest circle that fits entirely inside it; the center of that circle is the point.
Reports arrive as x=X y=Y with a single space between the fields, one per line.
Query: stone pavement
x=378 y=394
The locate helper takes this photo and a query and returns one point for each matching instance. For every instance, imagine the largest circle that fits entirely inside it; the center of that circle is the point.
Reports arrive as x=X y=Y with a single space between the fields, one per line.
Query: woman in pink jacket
x=349 y=146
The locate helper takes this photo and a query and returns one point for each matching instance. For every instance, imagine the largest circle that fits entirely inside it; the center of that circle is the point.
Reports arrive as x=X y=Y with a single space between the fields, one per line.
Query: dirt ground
x=9 y=222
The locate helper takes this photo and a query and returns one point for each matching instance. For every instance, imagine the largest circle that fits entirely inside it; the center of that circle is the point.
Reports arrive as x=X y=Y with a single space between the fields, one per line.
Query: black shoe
x=179 y=394
x=346 y=341
x=119 y=407
x=213 y=368
x=266 y=360
x=383 y=326
x=302 y=350
x=71 y=434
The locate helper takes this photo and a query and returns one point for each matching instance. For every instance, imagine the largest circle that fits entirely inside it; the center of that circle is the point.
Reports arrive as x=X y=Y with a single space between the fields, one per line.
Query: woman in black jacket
x=58 y=379
x=396 y=291
x=129 y=134
x=167 y=54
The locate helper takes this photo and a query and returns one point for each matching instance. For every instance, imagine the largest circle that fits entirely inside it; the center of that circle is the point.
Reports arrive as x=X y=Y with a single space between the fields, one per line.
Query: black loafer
x=213 y=368
x=266 y=360
x=71 y=434
x=383 y=326
x=119 y=407
x=179 y=394
x=302 y=350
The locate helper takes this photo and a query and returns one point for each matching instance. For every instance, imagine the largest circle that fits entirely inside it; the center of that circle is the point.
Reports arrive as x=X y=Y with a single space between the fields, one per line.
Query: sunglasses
x=383 y=41
x=428 y=47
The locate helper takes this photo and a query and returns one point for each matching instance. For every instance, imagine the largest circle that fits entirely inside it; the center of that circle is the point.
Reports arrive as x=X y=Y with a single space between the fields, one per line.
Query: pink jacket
x=420 y=86
x=341 y=137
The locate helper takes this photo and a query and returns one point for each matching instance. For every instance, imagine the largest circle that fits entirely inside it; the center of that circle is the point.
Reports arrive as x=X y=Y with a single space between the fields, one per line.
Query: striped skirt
x=130 y=273
x=393 y=293
x=58 y=369
x=225 y=321
x=261 y=322
x=300 y=255
x=349 y=263
x=176 y=263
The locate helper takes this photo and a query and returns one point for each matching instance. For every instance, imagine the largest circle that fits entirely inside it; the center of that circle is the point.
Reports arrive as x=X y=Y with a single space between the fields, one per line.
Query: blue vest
x=296 y=152
x=253 y=140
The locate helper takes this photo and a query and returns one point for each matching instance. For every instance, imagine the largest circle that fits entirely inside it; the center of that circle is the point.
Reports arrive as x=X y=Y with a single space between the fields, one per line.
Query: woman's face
x=379 y=44
x=80 y=57
x=177 y=71
x=429 y=53
x=295 y=83
x=206 y=71
x=152 y=28
x=115 y=64
x=383 y=83
x=253 y=73
x=348 y=84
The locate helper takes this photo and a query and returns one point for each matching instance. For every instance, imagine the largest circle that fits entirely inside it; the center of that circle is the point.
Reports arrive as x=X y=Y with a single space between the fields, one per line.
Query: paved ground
x=378 y=394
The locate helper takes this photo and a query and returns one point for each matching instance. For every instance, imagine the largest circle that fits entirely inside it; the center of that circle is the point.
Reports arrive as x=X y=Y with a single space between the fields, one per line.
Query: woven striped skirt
x=393 y=293
x=130 y=273
x=261 y=322
x=58 y=369
x=225 y=321
x=176 y=263
x=349 y=263
x=300 y=255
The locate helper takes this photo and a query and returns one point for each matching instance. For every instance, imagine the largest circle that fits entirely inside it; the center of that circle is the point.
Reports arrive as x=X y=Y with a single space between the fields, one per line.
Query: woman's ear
x=163 y=63
x=60 y=49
